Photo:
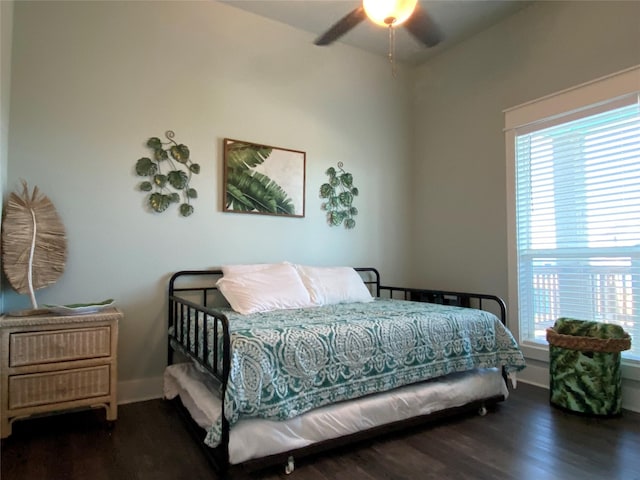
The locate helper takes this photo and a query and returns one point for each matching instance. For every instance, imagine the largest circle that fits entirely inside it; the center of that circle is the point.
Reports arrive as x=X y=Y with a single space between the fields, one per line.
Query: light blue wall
x=6 y=32
x=92 y=81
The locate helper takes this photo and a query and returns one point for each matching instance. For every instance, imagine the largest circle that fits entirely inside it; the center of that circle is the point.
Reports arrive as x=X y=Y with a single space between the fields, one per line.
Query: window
x=575 y=208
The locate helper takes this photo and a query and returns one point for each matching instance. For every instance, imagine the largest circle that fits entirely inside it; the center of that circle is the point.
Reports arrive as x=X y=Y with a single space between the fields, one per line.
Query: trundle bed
x=262 y=387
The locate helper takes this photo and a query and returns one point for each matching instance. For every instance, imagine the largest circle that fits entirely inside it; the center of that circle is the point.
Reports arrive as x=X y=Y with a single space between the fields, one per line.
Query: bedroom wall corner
x=459 y=181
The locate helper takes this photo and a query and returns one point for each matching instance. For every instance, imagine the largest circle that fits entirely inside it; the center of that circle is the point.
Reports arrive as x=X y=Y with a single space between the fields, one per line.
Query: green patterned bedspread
x=288 y=362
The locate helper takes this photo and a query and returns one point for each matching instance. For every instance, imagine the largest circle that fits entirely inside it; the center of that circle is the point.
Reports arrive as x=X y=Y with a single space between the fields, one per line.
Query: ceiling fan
x=387 y=13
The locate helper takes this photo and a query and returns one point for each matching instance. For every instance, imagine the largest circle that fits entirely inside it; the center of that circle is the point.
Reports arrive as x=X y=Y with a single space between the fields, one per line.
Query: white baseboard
x=537 y=373
x=130 y=391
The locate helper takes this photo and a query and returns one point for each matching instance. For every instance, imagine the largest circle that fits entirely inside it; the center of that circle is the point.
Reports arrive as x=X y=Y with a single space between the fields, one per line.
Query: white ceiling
x=457 y=19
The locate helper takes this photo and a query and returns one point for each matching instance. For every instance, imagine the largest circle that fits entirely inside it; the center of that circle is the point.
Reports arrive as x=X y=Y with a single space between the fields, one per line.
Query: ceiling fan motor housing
x=389 y=12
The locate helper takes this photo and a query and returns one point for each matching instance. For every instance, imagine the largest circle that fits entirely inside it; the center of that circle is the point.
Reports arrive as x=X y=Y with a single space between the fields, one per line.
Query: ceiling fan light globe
x=389 y=12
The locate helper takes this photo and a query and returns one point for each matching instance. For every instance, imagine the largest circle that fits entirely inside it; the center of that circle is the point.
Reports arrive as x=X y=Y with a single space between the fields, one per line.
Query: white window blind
x=577 y=195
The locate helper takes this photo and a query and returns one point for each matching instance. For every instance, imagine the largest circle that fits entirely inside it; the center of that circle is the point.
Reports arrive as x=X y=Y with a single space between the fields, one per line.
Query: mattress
x=287 y=362
x=255 y=438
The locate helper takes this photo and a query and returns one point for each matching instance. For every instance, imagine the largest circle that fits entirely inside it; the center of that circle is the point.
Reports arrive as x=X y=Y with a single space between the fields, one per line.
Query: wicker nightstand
x=51 y=362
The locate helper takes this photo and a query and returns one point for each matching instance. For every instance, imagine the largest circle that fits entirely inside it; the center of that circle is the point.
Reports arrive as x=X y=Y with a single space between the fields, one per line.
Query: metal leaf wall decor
x=34 y=243
x=169 y=171
x=339 y=193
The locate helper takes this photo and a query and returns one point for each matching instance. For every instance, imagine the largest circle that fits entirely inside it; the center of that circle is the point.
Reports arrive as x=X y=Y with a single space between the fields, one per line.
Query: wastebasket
x=584 y=366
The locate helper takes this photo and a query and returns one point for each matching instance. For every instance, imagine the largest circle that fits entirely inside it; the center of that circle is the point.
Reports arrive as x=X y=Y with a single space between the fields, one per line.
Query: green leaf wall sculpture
x=169 y=168
x=339 y=194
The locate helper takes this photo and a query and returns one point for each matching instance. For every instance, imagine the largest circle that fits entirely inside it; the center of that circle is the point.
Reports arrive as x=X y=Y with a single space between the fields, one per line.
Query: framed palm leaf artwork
x=263 y=179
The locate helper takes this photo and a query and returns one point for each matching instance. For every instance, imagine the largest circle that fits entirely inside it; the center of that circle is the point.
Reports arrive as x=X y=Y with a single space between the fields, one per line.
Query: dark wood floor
x=523 y=439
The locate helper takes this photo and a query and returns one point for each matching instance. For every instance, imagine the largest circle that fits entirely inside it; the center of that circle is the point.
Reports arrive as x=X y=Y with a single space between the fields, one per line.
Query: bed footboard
x=371 y=278
x=460 y=299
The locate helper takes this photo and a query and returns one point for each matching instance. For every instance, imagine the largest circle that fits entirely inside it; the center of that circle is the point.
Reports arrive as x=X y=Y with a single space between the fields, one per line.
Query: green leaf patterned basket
x=584 y=366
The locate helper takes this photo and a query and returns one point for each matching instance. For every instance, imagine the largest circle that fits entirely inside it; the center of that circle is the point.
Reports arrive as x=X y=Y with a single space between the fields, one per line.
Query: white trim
x=587 y=111
x=606 y=88
x=631 y=395
x=139 y=390
x=513 y=309
x=535 y=375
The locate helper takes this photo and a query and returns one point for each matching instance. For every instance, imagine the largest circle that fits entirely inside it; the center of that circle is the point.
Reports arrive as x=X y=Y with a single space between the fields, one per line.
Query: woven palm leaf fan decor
x=34 y=243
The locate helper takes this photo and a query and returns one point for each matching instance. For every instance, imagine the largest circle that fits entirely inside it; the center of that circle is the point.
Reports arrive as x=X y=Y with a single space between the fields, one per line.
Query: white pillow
x=277 y=287
x=228 y=270
x=330 y=285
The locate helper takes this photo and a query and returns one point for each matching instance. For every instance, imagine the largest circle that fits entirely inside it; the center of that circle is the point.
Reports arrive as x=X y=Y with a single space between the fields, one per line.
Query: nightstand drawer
x=32 y=348
x=55 y=387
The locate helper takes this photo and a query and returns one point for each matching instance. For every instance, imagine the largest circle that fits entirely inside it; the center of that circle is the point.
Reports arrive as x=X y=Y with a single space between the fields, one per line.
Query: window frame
x=576 y=99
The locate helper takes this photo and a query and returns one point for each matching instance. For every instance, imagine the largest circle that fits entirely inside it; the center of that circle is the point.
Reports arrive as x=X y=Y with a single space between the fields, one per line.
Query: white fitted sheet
x=256 y=438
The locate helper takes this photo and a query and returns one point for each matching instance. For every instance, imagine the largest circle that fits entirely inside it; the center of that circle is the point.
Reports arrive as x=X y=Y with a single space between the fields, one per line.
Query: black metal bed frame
x=179 y=341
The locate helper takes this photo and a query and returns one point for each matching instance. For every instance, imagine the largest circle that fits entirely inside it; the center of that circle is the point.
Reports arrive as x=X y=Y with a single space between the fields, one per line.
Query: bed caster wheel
x=482 y=411
x=289 y=467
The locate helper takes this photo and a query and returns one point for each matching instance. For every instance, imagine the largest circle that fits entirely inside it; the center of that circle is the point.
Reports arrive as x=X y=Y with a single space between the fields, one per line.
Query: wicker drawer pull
x=32 y=348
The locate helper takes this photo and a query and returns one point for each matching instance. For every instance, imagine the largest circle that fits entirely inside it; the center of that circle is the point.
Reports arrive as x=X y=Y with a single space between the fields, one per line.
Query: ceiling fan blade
x=423 y=28
x=342 y=26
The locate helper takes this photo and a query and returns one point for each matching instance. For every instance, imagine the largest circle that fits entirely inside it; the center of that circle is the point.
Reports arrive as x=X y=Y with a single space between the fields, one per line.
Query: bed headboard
x=371 y=278
x=201 y=284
